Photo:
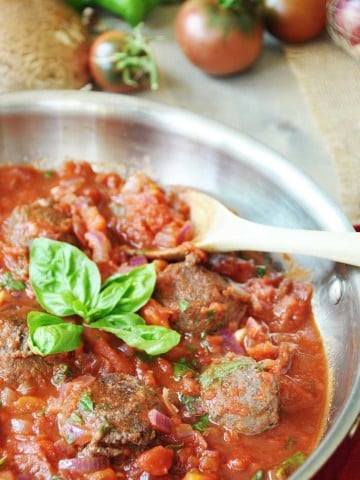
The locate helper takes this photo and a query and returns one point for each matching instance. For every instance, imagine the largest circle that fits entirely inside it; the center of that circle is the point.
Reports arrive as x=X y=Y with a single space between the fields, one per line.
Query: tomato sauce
x=242 y=394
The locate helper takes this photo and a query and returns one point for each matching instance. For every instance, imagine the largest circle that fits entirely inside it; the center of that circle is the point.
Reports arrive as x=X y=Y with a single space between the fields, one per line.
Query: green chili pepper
x=132 y=11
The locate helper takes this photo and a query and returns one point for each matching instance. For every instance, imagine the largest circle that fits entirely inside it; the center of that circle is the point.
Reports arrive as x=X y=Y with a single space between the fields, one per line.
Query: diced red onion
x=100 y=246
x=84 y=464
x=230 y=341
x=78 y=433
x=186 y=233
x=138 y=260
x=162 y=423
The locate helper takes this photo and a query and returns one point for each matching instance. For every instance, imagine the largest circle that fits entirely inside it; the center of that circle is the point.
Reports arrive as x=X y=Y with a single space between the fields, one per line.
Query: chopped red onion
x=162 y=423
x=138 y=261
x=186 y=233
x=100 y=246
x=230 y=342
x=84 y=464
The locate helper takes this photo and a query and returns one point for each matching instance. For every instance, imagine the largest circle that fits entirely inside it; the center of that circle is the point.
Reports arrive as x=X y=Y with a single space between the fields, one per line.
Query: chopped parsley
x=86 y=403
x=75 y=417
x=8 y=282
x=218 y=372
x=183 y=305
x=181 y=368
x=259 y=475
x=3 y=460
x=48 y=173
x=260 y=270
x=289 y=465
x=202 y=424
x=189 y=402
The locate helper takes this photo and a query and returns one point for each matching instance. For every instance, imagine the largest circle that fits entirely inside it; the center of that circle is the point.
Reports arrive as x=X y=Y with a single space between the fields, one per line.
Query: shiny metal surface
x=174 y=147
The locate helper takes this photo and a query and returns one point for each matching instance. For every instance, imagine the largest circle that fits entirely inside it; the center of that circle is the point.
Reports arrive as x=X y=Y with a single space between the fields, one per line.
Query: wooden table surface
x=264 y=102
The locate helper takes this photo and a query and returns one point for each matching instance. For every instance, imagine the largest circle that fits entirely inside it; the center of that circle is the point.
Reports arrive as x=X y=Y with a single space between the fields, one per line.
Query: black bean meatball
x=240 y=396
x=118 y=416
x=28 y=375
x=14 y=331
x=27 y=222
x=202 y=301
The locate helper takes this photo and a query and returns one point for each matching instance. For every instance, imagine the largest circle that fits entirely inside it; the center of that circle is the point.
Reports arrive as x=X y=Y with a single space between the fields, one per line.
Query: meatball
x=201 y=300
x=39 y=219
x=118 y=416
x=28 y=375
x=14 y=331
x=240 y=396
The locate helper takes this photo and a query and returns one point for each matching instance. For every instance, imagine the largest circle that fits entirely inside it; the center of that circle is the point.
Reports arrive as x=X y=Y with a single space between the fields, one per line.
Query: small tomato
x=122 y=62
x=218 y=40
x=295 y=21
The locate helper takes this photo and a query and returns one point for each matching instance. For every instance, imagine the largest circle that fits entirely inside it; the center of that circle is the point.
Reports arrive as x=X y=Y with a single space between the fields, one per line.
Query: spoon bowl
x=217 y=229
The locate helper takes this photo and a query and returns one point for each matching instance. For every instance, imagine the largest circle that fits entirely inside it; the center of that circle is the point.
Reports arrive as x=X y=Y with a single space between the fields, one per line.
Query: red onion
x=84 y=464
x=80 y=434
x=138 y=261
x=159 y=421
x=186 y=233
x=344 y=25
x=230 y=343
x=100 y=246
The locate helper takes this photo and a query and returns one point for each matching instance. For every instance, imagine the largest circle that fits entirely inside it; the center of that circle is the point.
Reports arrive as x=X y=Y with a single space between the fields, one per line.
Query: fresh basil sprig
x=67 y=282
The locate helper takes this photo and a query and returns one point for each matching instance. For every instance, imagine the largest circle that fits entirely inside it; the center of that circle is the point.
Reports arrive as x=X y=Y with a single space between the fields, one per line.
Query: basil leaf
x=108 y=298
x=141 y=283
x=64 y=279
x=132 y=329
x=49 y=334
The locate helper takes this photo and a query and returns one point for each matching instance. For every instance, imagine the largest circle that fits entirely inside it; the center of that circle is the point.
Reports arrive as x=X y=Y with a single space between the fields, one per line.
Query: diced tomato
x=157 y=461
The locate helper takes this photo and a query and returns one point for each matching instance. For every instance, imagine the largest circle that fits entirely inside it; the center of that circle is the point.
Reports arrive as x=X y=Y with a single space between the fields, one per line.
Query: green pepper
x=132 y=11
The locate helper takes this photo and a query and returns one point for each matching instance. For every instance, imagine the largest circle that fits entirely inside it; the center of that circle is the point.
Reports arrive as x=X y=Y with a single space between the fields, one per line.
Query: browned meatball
x=118 y=416
x=202 y=301
x=28 y=375
x=27 y=222
x=14 y=331
x=240 y=396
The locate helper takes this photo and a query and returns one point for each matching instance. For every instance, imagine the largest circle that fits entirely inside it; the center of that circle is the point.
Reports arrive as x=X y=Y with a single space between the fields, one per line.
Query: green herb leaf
x=86 y=403
x=49 y=334
x=180 y=368
x=260 y=270
x=183 y=305
x=288 y=466
x=259 y=475
x=132 y=329
x=218 y=371
x=9 y=283
x=202 y=424
x=64 y=279
x=189 y=402
x=137 y=286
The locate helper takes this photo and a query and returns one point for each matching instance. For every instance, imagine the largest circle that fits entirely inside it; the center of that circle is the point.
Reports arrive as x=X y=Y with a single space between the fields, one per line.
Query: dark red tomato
x=216 y=39
x=122 y=62
x=295 y=21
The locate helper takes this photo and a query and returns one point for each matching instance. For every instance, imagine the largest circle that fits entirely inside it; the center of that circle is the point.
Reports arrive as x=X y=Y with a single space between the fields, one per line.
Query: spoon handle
x=235 y=233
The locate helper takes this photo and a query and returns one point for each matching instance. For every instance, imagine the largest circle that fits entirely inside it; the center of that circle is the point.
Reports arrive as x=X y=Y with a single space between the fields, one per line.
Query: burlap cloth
x=330 y=80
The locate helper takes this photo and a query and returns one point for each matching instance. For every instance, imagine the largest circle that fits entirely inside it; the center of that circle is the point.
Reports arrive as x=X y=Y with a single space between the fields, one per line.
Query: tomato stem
x=136 y=61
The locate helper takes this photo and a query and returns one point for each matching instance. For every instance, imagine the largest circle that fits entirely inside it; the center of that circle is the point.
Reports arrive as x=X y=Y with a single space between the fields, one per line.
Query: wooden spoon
x=217 y=229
